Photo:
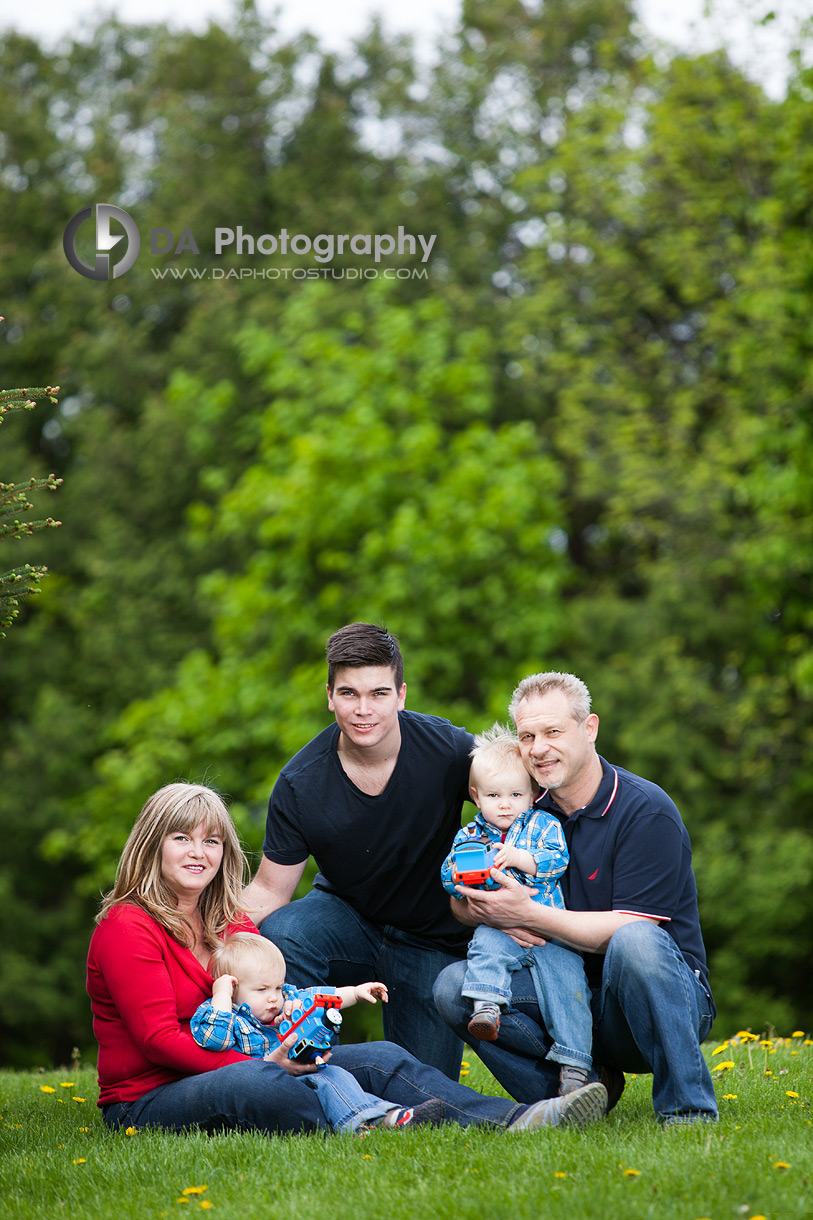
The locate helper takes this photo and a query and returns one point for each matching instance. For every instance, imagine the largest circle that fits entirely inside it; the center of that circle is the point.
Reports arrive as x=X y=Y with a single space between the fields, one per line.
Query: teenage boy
x=376 y=799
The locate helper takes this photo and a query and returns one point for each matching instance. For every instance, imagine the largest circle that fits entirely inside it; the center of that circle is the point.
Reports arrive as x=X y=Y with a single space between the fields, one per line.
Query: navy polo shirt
x=630 y=852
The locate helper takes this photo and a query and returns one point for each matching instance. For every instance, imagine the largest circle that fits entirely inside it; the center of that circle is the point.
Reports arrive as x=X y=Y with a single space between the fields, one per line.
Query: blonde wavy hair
x=180 y=807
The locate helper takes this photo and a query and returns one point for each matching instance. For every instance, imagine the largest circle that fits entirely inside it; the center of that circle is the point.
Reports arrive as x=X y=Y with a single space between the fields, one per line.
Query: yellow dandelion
x=729 y=1096
x=80 y=1160
x=181 y=1199
x=790 y=1093
x=83 y=1128
x=746 y=1035
x=632 y=1173
x=46 y=1088
x=464 y=1063
x=79 y=1099
x=721 y=1067
x=766 y=1042
x=808 y=1042
x=131 y=1131
x=366 y=1157
x=194 y=1190
x=781 y=1165
x=723 y=1046
x=798 y=1033
x=66 y=1084
x=206 y=1203
x=759 y=1218
x=559 y=1174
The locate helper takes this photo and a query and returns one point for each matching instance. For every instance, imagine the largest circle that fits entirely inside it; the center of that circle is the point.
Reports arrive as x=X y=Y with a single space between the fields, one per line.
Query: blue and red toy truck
x=317 y=1021
x=472 y=863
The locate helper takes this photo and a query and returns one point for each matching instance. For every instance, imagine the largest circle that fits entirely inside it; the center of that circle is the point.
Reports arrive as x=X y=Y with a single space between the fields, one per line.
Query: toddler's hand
x=506 y=857
x=223 y=991
x=372 y=992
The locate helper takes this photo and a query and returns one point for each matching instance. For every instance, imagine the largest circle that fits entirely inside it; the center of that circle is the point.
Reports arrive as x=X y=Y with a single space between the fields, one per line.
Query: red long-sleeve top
x=144 y=987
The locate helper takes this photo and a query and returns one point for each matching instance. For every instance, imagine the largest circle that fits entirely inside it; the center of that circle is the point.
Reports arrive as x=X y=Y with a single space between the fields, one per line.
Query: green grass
x=57 y=1159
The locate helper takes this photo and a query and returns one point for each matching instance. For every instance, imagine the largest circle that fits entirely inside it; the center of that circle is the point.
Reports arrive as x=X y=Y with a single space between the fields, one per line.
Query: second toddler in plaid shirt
x=534 y=851
x=248 y=998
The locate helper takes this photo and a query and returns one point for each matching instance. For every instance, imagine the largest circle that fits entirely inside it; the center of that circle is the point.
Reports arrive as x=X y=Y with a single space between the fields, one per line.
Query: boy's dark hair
x=360 y=644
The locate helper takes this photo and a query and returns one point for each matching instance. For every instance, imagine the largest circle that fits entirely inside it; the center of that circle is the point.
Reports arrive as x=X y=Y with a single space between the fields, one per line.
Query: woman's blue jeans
x=650 y=1015
x=326 y=942
x=260 y=1096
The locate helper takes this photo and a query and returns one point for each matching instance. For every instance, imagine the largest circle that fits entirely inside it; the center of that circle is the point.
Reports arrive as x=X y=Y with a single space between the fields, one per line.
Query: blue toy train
x=472 y=863
x=317 y=1021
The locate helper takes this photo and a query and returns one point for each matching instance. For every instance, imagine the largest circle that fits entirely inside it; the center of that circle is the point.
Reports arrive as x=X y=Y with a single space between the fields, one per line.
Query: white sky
x=680 y=22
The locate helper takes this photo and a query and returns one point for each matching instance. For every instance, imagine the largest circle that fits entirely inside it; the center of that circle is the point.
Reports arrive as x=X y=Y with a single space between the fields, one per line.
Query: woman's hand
x=280 y=1057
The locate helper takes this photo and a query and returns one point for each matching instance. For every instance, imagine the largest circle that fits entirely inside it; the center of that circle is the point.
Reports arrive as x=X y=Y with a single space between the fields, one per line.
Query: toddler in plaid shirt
x=532 y=849
x=248 y=999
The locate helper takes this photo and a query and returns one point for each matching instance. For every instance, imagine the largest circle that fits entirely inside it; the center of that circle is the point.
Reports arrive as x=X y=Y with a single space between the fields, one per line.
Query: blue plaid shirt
x=535 y=831
x=239 y=1029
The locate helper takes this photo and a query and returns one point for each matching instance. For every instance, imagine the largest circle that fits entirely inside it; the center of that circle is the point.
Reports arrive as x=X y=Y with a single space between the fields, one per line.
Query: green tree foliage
x=584 y=444
x=373 y=493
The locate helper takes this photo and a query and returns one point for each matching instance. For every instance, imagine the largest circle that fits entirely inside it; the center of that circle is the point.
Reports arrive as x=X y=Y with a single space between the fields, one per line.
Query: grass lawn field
x=57 y=1159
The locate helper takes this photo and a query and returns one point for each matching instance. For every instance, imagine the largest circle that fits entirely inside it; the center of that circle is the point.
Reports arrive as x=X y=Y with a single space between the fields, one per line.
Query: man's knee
x=640 y=948
x=448 y=1000
x=280 y=926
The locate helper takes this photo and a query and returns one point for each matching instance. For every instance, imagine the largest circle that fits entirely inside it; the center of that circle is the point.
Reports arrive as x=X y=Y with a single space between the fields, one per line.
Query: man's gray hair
x=541 y=684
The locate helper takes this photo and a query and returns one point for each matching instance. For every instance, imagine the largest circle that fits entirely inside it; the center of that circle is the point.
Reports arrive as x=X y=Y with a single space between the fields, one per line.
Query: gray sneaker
x=485 y=1021
x=576 y=1110
x=571 y=1079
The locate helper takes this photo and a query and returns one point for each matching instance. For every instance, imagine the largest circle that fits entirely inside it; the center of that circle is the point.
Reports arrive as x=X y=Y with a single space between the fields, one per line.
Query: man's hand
x=223 y=991
x=509 y=908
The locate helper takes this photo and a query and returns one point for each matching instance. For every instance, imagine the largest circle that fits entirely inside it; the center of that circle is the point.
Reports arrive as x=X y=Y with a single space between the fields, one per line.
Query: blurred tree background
x=584 y=442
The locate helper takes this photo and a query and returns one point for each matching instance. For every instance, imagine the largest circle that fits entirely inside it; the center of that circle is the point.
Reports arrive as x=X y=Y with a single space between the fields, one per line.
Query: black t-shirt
x=382 y=854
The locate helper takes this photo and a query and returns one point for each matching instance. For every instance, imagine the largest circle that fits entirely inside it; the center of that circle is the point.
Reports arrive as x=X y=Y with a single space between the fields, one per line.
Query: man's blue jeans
x=260 y=1096
x=650 y=1015
x=561 y=988
x=324 y=941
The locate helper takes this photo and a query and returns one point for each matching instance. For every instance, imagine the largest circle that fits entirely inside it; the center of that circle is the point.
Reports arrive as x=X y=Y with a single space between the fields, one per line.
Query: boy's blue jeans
x=344 y=1101
x=559 y=979
x=650 y=1014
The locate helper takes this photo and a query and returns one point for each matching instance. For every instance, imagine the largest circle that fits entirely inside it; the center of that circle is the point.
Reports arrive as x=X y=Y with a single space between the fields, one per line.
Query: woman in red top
x=178 y=890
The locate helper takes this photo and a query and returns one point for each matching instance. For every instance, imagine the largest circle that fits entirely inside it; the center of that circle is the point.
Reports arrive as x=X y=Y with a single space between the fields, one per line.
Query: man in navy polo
x=631 y=910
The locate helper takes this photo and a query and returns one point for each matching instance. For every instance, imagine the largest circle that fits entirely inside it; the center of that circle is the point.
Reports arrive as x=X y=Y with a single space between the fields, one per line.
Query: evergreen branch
x=21 y=581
